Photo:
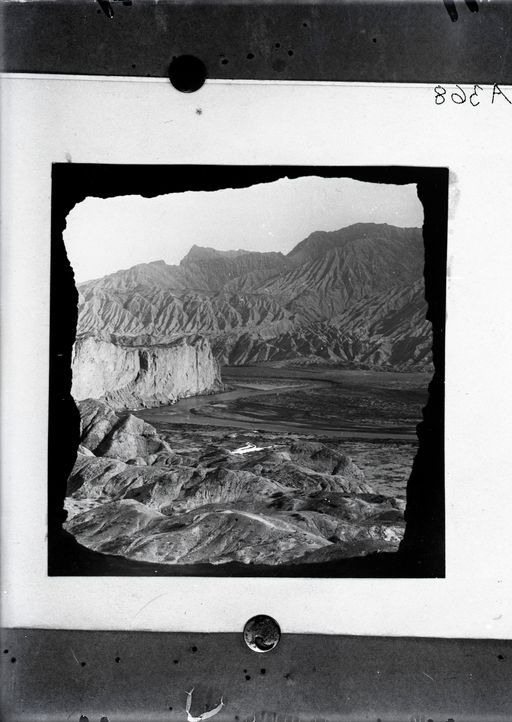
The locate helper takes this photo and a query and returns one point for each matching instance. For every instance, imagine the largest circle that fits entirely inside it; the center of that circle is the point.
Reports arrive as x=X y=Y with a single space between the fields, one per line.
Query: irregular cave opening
x=422 y=550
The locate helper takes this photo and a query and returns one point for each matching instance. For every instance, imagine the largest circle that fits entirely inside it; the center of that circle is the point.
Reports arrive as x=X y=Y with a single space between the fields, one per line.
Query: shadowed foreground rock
x=132 y=494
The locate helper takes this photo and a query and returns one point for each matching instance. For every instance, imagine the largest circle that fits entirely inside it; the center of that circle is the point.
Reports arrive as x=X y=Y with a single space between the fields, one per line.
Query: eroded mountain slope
x=353 y=296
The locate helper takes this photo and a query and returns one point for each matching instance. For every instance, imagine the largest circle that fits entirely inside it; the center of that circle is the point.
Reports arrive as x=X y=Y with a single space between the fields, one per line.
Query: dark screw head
x=187 y=73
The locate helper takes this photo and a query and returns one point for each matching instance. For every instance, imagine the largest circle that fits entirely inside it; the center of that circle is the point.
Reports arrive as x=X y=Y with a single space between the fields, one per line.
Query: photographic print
x=250 y=360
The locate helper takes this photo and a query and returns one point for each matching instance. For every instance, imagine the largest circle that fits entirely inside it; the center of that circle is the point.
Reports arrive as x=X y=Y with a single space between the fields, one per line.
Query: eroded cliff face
x=136 y=377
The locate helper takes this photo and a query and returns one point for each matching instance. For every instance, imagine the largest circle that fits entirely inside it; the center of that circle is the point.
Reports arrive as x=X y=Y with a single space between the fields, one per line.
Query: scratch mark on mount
x=428 y=675
x=451 y=8
x=75 y=657
x=204 y=715
x=148 y=603
x=472 y=5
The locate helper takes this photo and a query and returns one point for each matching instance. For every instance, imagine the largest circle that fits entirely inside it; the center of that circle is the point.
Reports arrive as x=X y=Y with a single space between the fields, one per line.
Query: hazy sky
x=105 y=235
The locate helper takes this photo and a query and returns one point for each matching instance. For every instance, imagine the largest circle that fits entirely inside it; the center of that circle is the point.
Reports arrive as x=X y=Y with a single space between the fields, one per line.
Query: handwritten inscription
x=473 y=95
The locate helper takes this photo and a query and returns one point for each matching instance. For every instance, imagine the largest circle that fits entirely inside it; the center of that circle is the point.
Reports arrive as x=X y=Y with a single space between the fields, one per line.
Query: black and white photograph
x=250 y=366
x=255 y=361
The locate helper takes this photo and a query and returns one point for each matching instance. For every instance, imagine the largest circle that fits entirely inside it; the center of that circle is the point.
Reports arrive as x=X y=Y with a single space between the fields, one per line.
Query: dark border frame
x=340 y=40
x=422 y=551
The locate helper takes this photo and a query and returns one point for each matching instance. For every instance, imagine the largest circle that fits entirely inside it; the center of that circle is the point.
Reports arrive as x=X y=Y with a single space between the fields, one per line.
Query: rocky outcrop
x=103 y=432
x=353 y=296
x=135 y=494
x=216 y=536
x=135 y=377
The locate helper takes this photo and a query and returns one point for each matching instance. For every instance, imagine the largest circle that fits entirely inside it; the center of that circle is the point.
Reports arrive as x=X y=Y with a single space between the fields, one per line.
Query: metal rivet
x=262 y=633
x=187 y=73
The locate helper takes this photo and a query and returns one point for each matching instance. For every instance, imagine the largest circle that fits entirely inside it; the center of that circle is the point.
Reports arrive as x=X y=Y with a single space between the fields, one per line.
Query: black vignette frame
x=422 y=551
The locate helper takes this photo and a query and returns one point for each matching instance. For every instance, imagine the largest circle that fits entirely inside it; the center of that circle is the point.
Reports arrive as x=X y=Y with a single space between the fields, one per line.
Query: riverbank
x=319 y=401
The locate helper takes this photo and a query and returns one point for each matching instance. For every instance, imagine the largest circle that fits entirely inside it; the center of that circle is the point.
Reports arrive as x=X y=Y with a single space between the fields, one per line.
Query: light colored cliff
x=135 y=377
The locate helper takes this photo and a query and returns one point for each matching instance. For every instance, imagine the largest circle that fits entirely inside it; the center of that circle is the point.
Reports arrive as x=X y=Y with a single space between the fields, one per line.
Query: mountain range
x=354 y=296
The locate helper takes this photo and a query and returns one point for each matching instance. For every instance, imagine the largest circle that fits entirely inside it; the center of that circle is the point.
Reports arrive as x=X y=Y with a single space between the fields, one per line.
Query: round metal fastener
x=262 y=633
x=187 y=73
